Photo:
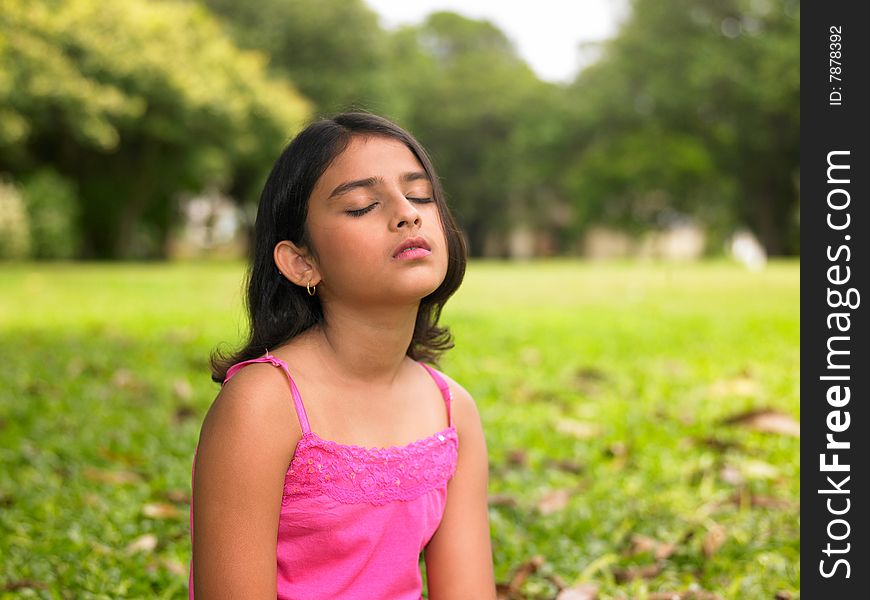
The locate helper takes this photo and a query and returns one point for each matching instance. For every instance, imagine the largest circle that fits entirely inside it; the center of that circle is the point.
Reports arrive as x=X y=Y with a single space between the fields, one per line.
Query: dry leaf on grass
x=143 y=543
x=641 y=544
x=579 y=429
x=624 y=575
x=160 y=510
x=179 y=496
x=713 y=540
x=717 y=444
x=567 y=465
x=182 y=389
x=511 y=590
x=766 y=420
x=175 y=567
x=588 y=379
x=517 y=458
x=183 y=413
x=744 y=497
x=502 y=500
x=687 y=595
x=23 y=584
x=553 y=501
x=115 y=477
x=583 y=591
x=739 y=386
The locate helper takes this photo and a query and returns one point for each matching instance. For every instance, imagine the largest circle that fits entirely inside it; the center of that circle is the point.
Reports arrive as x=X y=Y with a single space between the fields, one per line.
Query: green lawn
x=602 y=388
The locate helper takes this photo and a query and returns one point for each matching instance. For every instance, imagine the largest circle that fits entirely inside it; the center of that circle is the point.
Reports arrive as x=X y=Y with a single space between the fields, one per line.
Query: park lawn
x=603 y=389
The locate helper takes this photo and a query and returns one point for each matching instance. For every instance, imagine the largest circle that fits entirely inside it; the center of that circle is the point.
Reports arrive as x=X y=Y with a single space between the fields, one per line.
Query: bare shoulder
x=246 y=442
x=465 y=414
x=256 y=401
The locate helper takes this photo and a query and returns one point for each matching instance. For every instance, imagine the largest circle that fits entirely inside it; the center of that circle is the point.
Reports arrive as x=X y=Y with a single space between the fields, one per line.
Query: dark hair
x=279 y=310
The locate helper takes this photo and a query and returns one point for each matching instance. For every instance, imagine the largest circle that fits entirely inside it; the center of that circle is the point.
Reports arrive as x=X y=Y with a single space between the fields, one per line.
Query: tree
x=134 y=101
x=694 y=107
x=470 y=95
x=334 y=51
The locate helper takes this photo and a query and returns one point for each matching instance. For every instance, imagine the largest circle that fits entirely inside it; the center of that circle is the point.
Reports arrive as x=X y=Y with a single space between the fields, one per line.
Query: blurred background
x=144 y=130
x=626 y=174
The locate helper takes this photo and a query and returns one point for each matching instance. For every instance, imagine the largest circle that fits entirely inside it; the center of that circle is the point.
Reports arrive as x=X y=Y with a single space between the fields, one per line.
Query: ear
x=297 y=265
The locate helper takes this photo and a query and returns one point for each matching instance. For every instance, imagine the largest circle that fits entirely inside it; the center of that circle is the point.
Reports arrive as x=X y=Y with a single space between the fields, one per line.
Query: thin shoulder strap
x=297 y=397
x=445 y=390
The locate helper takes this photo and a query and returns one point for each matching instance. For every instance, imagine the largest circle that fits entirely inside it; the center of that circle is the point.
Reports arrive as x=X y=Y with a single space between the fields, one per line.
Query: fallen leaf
x=115 y=477
x=731 y=475
x=583 y=591
x=739 y=386
x=588 y=379
x=640 y=572
x=617 y=450
x=175 y=567
x=714 y=539
x=567 y=465
x=143 y=543
x=744 y=497
x=182 y=389
x=757 y=469
x=766 y=420
x=123 y=378
x=641 y=544
x=184 y=412
x=23 y=584
x=502 y=500
x=160 y=510
x=178 y=496
x=511 y=590
x=579 y=429
x=687 y=595
x=553 y=501
x=718 y=445
x=518 y=458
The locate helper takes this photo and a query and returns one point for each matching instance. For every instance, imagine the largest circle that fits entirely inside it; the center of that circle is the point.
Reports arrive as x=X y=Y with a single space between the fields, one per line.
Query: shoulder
x=466 y=416
x=254 y=411
x=244 y=449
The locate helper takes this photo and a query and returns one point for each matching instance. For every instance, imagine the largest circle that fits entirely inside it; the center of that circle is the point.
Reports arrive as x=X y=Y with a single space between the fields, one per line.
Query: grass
x=602 y=388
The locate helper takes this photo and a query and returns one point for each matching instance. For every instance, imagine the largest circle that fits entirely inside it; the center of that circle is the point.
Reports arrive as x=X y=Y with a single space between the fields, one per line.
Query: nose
x=407 y=214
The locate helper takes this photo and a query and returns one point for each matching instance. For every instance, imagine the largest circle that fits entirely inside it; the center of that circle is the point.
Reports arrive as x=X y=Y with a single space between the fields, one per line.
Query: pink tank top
x=354 y=520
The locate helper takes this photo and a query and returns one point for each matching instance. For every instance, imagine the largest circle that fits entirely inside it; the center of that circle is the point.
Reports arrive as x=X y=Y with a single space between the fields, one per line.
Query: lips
x=414 y=242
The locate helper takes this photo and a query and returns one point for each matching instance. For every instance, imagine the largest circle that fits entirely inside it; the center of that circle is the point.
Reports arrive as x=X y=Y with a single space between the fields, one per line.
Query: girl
x=333 y=455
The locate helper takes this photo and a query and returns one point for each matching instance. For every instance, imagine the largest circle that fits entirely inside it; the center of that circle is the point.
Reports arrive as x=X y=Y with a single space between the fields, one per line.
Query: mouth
x=412 y=248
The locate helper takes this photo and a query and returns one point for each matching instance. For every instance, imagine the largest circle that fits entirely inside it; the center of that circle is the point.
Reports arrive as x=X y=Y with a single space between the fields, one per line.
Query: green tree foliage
x=14 y=222
x=54 y=220
x=134 y=101
x=694 y=107
x=334 y=51
x=470 y=95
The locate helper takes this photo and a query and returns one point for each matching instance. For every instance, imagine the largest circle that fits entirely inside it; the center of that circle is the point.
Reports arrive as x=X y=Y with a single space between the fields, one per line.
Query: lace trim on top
x=352 y=474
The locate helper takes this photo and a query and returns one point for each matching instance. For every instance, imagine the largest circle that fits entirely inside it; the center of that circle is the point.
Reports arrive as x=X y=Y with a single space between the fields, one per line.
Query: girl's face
x=372 y=198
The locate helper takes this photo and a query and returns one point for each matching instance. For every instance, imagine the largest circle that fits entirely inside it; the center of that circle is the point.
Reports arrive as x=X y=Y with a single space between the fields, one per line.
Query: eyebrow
x=370 y=182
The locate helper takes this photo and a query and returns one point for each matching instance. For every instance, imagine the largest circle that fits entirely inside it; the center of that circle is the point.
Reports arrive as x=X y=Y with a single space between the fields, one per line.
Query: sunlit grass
x=601 y=387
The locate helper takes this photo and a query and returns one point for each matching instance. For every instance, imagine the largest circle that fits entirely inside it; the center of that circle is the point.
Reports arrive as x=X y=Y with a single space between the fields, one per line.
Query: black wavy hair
x=279 y=310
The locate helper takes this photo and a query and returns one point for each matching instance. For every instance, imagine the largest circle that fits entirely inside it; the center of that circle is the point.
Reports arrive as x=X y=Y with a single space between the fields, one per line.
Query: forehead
x=369 y=156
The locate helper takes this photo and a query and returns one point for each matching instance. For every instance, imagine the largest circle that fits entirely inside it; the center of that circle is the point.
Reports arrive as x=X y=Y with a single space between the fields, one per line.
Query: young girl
x=333 y=454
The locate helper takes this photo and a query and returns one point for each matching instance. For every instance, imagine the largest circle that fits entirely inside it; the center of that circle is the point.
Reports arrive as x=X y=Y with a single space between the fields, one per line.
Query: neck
x=368 y=346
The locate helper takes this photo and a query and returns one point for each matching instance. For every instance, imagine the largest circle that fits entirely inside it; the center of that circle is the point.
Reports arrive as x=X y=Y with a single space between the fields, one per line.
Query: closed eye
x=360 y=212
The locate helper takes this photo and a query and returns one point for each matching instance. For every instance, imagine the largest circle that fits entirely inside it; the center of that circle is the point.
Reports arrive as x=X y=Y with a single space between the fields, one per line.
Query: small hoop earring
x=311 y=291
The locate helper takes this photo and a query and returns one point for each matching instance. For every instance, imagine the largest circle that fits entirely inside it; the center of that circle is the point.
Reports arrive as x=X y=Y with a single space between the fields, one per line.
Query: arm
x=459 y=555
x=245 y=445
